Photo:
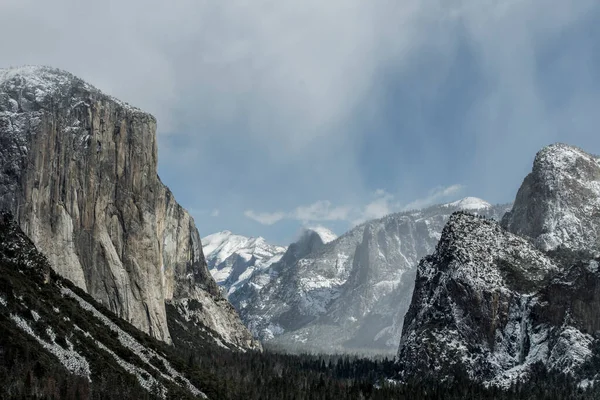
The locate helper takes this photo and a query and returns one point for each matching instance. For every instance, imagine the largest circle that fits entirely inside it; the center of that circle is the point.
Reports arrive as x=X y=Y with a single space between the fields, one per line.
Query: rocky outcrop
x=78 y=169
x=471 y=303
x=79 y=346
x=559 y=201
x=491 y=302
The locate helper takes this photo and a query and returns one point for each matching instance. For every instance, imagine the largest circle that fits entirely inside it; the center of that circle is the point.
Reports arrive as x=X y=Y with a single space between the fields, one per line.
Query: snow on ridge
x=145 y=380
x=221 y=245
x=325 y=234
x=226 y=253
x=44 y=81
x=132 y=344
x=469 y=203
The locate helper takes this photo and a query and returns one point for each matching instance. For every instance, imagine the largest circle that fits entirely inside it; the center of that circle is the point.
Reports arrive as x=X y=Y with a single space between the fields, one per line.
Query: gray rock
x=491 y=302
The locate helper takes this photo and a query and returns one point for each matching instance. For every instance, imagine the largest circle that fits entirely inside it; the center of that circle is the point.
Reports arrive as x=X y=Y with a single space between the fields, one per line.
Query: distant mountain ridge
x=342 y=295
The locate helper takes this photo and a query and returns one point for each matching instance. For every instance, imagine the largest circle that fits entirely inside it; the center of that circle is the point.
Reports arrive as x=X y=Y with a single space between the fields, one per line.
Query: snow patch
x=71 y=360
x=129 y=342
x=469 y=203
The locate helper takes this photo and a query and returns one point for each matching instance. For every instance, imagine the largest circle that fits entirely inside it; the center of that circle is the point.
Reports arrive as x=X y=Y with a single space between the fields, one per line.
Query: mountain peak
x=221 y=245
x=36 y=84
x=325 y=234
x=46 y=80
x=559 y=201
x=60 y=134
x=233 y=258
x=561 y=157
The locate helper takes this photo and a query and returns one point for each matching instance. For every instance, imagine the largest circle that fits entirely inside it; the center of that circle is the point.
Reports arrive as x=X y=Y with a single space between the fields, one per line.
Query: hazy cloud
x=281 y=103
x=320 y=211
x=382 y=204
x=435 y=196
x=264 y=218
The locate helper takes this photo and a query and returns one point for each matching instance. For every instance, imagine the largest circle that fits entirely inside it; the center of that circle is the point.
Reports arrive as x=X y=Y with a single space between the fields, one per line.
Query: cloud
x=288 y=92
x=434 y=196
x=264 y=218
x=382 y=204
x=320 y=211
x=215 y=212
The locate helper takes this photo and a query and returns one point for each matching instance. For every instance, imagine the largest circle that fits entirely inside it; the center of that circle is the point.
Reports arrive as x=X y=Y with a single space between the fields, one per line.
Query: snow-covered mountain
x=491 y=302
x=344 y=295
x=232 y=259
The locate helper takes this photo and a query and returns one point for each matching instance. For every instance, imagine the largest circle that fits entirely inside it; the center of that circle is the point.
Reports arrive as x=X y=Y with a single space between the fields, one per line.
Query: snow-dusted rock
x=471 y=302
x=489 y=304
x=469 y=203
x=78 y=171
x=559 y=201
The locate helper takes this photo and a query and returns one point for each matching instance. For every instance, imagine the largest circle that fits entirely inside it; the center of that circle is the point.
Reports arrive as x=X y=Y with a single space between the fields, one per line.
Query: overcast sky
x=273 y=115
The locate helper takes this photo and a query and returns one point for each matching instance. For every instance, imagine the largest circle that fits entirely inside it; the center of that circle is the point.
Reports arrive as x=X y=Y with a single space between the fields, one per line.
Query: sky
x=278 y=115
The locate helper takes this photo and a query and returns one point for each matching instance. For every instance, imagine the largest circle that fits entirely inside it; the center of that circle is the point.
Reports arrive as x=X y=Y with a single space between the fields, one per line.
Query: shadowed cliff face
x=78 y=170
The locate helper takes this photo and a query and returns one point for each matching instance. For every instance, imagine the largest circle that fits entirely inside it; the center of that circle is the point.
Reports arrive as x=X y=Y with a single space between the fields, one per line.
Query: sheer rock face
x=78 y=170
x=559 y=201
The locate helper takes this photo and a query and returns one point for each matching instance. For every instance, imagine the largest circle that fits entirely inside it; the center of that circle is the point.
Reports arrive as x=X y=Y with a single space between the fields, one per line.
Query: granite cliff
x=78 y=170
